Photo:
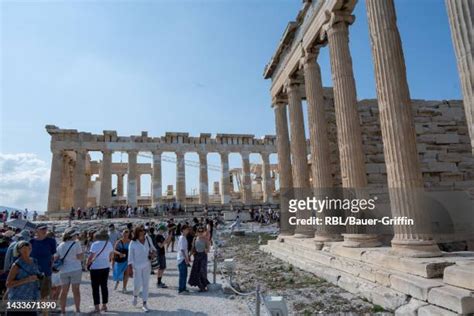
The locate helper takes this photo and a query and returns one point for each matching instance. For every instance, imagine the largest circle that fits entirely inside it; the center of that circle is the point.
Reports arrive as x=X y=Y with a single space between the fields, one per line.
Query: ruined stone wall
x=443 y=144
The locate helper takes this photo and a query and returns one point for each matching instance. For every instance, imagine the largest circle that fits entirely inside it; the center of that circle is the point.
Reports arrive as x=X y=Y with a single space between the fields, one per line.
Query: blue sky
x=193 y=66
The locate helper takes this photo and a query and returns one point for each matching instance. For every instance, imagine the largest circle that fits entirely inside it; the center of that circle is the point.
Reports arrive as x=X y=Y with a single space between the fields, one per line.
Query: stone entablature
x=71 y=139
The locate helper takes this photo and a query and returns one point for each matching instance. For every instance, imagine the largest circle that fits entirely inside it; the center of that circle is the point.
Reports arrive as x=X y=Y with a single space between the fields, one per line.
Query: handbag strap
x=73 y=243
x=100 y=252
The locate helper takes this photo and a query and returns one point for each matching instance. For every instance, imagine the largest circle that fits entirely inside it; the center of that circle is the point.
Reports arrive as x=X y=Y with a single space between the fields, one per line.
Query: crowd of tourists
x=39 y=265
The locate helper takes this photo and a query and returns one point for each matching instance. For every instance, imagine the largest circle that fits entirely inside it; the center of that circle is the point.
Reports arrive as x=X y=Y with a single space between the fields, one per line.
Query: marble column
x=180 y=178
x=80 y=180
x=460 y=20
x=156 y=179
x=120 y=184
x=225 y=178
x=106 y=179
x=203 y=179
x=132 y=178
x=351 y=154
x=319 y=141
x=398 y=133
x=299 y=155
x=266 y=178
x=139 y=185
x=284 y=164
x=246 y=180
x=66 y=186
x=55 y=181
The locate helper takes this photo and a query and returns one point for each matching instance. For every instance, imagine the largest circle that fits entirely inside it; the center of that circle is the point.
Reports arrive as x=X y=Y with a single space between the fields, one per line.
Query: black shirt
x=160 y=239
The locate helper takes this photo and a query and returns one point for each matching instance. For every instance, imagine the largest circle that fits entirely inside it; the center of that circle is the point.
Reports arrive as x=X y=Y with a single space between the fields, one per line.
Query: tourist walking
x=161 y=241
x=200 y=248
x=141 y=252
x=114 y=235
x=120 y=272
x=70 y=273
x=182 y=259
x=23 y=278
x=98 y=263
x=43 y=249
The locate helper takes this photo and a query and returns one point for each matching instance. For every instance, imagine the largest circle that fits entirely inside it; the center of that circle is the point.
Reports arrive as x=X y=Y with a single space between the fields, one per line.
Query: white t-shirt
x=101 y=260
x=182 y=247
x=71 y=263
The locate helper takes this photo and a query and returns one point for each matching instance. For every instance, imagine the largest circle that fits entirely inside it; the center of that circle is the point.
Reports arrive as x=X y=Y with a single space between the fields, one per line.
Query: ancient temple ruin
x=71 y=169
x=409 y=147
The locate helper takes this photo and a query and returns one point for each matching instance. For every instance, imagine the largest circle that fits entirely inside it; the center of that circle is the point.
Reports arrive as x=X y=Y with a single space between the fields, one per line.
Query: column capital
x=224 y=154
x=106 y=152
x=292 y=84
x=245 y=154
x=333 y=18
x=279 y=101
x=180 y=153
x=310 y=56
x=132 y=152
x=264 y=154
x=202 y=154
x=156 y=152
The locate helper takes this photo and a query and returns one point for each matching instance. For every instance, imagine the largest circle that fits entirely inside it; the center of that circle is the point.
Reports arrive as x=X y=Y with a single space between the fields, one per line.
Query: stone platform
x=408 y=286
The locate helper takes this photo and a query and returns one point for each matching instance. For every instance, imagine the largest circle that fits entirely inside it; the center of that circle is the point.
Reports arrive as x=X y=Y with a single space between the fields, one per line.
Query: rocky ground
x=304 y=293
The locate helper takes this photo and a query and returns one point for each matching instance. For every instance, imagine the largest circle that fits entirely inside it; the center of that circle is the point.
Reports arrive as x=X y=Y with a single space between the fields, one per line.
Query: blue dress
x=29 y=291
x=121 y=264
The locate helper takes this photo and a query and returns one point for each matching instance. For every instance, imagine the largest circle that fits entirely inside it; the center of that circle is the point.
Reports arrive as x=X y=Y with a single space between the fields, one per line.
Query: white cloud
x=24 y=180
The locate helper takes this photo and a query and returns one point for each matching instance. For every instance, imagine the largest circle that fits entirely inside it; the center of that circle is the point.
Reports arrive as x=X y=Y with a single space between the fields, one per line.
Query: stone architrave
x=203 y=179
x=225 y=178
x=299 y=155
x=156 y=179
x=132 y=179
x=398 y=133
x=80 y=180
x=180 y=178
x=106 y=179
x=460 y=20
x=246 y=183
x=284 y=163
x=54 y=196
x=319 y=141
x=266 y=178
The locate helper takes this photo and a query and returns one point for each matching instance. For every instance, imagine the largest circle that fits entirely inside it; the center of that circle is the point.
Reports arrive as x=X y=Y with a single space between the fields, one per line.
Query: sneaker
x=162 y=285
x=135 y=301
x=124 y=291
x=185 y=292
x=145 y=308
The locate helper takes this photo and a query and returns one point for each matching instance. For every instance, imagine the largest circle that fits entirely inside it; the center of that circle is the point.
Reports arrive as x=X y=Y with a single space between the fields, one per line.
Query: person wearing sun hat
x=43 y=249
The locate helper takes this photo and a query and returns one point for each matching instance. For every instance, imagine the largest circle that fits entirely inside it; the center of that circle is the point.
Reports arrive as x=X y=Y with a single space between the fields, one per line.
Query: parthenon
x=72 y=168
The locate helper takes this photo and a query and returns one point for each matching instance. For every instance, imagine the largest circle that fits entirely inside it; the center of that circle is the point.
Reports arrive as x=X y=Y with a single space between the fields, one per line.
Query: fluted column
x=284 y=164
x=225 y=178
x=55 y=181
x=246 y=183
x=266 y=178
x=80 y=180
x=203 y=179
x=299 y=154
x=460 y=20
x=156 y=179
x=398 y=133
x=319 y=141
x=180 y=178
x=132 y=179
x=106 y=179
x=351 y=154
x=139 y=185
x=120 y=184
